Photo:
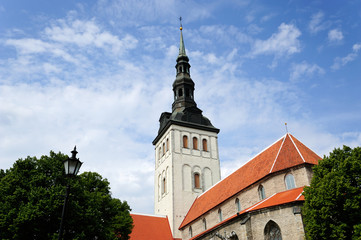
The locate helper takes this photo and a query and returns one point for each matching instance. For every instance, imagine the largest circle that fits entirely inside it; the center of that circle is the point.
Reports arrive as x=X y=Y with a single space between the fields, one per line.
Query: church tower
x=186 y=150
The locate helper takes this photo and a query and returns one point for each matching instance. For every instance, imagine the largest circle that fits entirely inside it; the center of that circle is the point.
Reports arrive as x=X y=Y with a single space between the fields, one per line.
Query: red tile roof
x=289 y=196
x=285 y=153
x=148 y=227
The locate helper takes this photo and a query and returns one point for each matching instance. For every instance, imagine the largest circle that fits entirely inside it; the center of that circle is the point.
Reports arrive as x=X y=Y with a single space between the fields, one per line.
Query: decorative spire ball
x=181 y=28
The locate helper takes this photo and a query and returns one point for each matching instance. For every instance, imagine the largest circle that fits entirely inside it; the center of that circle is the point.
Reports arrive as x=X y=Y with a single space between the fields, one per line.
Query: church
x=260 y=200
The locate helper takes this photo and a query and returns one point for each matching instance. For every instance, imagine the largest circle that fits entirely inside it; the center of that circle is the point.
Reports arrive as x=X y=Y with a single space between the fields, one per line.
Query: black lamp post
x=72 y=166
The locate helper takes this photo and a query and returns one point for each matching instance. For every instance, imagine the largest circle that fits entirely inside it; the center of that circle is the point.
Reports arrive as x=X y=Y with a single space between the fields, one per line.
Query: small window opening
x=204 y=145
x=290 y=181
x=185 y=141
x=163 y=148
x=167 y=144
x=204 y=224
x=190 y=232
x=238 y=205
x=220 y=216
x=261 y=193
x=197 y=183
x=195 y=143
x=164 y=186
x=180 y=93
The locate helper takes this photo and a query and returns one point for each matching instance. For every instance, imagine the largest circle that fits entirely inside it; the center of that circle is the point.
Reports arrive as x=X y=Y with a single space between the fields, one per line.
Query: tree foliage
x=32 y=195
x=332 y=208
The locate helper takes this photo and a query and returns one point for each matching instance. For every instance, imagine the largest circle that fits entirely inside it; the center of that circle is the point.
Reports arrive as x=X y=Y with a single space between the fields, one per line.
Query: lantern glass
x=72 y=166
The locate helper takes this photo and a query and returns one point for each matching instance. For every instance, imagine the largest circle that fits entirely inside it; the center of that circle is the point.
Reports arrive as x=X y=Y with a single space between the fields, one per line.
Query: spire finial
x=182 y=50
x=286 y=127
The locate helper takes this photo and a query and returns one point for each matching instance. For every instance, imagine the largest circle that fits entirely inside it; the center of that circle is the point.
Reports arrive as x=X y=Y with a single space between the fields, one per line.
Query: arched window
x=197 y=183
x=238 y=205
x=290 y=181
x=167 y=144
x=204 y=224
x=261 y=193
x=164 y=185
x=204 y=145
x=195 y=143
x=220 y=216
x=160 y=152
x=190 y=232
x=185 y=141
x=163 y=148
x=272 y=231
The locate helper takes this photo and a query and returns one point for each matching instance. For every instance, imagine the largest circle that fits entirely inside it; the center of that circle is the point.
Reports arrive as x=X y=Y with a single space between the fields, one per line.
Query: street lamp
x=72 y=166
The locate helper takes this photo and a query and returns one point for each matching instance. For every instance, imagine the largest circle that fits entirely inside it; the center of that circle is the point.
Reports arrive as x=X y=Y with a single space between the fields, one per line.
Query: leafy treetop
x=32 y=196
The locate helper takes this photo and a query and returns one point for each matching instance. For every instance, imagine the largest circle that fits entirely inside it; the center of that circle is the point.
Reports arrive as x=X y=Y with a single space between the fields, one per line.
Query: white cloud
x=304 y=70
x=317 y=24
x=86 y=33
x=29 y=46
x=342 y=61
x=335 y=35
x=283 y=43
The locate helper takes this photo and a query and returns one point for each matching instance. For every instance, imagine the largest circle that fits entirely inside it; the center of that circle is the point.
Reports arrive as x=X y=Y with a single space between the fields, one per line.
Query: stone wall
x=273 y=184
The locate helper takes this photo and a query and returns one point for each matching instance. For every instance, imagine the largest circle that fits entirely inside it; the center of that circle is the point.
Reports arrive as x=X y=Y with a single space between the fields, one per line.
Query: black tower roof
x=184 y=109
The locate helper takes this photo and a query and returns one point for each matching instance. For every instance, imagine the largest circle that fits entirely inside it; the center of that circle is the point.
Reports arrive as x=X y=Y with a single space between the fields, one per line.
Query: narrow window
x=261 y=193
x=167 y=144
x=204 y=145
x=163 y=148
x=238 y=205
x=272 y=231
x=220 y=215
x=180 y=93
x=290 y=181
x=164 y=186
x=196 y=181
x=185 y=141
x=204 y=224
x=195 y=143
x=190 y=232
x=160 y=152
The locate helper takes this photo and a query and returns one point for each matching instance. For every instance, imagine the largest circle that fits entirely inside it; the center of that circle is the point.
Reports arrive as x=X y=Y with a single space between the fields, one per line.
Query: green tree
x=332 y=208
x=32 y=196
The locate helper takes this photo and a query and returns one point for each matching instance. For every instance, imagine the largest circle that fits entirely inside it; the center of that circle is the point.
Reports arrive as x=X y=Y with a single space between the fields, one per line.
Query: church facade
x=260 y=200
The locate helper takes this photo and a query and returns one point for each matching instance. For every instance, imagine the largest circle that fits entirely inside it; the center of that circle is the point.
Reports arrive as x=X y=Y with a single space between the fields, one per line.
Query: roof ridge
x=296 y=147
x=299 y=195
x=278 y=153
x=149 y=215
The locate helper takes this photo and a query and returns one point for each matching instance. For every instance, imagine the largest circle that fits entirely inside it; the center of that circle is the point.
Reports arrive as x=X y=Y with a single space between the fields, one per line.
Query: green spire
x=182 y=50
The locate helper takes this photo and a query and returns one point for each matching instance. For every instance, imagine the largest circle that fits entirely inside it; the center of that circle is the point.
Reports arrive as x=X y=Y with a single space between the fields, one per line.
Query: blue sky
x=98 y=74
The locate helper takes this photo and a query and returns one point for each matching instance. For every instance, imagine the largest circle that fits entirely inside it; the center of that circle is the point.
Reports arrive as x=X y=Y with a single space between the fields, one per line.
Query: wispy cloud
x=304 y=70
x=317 y=23
x=342 y=61
x=335 y=36
x=283 y=43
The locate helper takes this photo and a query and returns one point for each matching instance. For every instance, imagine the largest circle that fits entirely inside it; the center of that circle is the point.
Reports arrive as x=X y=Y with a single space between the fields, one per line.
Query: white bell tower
x=186 y=151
